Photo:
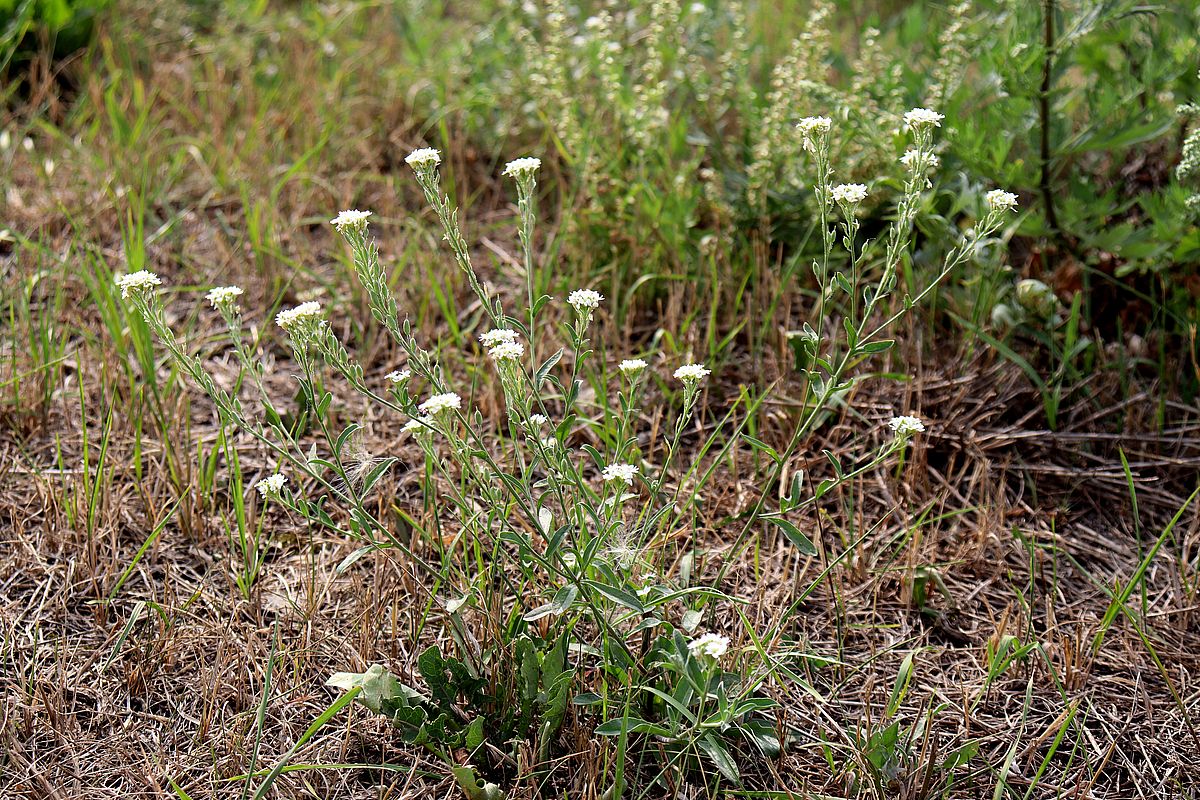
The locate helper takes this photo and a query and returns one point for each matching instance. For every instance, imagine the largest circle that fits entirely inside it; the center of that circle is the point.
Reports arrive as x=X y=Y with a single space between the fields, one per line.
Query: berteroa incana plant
x=553 y=561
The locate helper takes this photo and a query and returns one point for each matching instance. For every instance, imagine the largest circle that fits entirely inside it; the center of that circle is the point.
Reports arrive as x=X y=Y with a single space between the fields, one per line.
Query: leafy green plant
x=561 y=554
x=459 y=712
x=67 y=23
x=695 y=709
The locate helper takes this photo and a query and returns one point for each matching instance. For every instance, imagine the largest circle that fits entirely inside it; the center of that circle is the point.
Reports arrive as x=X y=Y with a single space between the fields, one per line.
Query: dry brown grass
x=1013 y=530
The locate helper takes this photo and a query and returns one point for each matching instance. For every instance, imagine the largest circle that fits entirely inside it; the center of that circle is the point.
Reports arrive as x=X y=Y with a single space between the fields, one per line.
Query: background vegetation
x=1009 y=610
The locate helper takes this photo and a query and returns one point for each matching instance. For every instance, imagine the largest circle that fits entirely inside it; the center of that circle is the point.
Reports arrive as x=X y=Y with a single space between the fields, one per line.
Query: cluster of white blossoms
x=906 y=425
x=1000 y=200
x=502 y=344
x=398 y=376
x=352 y=219
x=418 y=425
x=919 y=160
x=692 y=373
x=507 y=351
x=849 y=194
x=522 y=168
x=632 y=366
x=812 y=129
x=922 y=118
x=137 y=282
x=293 y=319
x=424 y=157
x=538 y=420
x=224 y=296
x=271 y=486
x=497 y=336
x=448 y=401
x=585 y=300
x=711 y=645
x=620 y=472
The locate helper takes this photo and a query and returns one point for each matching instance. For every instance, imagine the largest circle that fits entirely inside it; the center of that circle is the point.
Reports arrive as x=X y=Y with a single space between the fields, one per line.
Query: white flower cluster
x=448 y=401
x=620 y=472
x=294 y=319
x=497 y=336
x=812 y=129
x=849 y=194
x=923 y=118
x=398 y=376
x=272 y=486
x=919 y=160
x=538 y=420
x=522 y=168
x=632 y=366
x=692 y=373
x=352 y=219
x=502 y=344
x=507 y=351
x=1000 y=200
x=585 y=300
x=418 y=425
x=711 y=645
x=424 y=157
x=906 y=425
x=137 y=282
x=224 y=296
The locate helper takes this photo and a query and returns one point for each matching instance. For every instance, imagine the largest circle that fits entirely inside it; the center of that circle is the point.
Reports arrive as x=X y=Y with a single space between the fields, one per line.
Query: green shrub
x=68 y=24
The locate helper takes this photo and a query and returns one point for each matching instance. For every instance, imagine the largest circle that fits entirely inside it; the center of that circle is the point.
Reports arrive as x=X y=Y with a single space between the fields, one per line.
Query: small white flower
x=224 y=296
x=813 y=128
x=272 y=486
x=418 y=425
x=352 y=219
x=398 y=376
x=522 y=167
x=5 y=140
x=548 y=442
x=712 y=645
x=916 y=159
x=49 y=166
x=27 y=143
x=906 y=426
x=813 y=125
x=585 y=300
x=849 y=193
x=140 y=281
x=632 y=366
x=507 y=351
x=498 y=336
x=424 y=157
x=923 y=117
x=620 y=472
x=1000 y=200
x=692 y=373
x=538 y=420
x=441 y=402
x=292 y=318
